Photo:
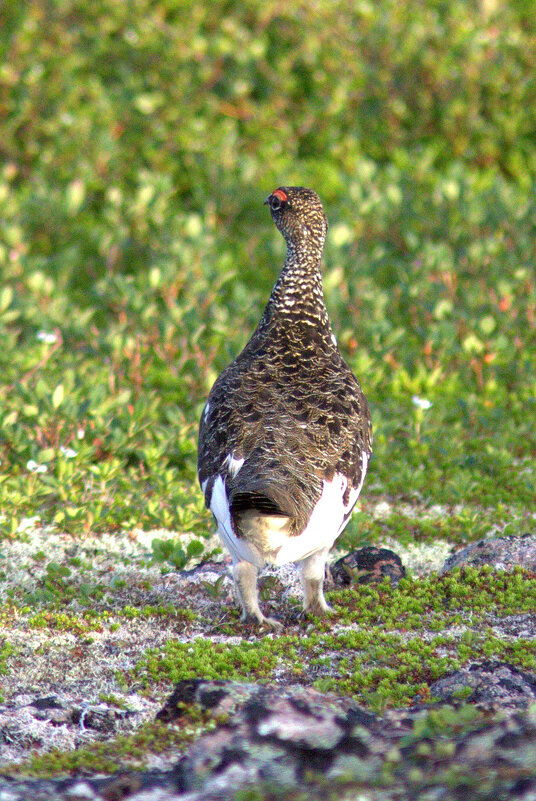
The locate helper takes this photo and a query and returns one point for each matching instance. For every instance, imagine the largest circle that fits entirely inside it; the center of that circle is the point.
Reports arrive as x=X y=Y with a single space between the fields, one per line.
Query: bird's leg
x=245 y=576
x=312 y=570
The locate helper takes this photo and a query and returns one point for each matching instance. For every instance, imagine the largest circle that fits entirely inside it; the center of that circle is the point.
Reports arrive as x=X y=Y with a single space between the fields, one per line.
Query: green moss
x=113 y=700
x=384 y=660
x=7 y=650
x=202 y=658
x=380 y=668
x=92 y=620
x=120 y=752
x=62 y=621
x=437 y=602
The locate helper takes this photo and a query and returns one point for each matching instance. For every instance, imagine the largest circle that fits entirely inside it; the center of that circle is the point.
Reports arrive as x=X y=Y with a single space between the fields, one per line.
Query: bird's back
x=291 y=409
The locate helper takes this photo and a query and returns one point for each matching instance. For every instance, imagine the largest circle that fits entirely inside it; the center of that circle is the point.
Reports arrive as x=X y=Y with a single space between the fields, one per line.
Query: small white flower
x=33 y=467
x=421 y=403
x=68 y=452
x=47 y=336
x=80 y=433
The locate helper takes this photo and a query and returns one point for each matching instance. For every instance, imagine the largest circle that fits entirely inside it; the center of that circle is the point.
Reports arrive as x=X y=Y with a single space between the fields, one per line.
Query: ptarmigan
x=285 y=437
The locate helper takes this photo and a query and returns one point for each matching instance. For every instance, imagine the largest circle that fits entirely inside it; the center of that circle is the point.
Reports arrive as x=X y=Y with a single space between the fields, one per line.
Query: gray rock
x=282 y=742
x=500 y=553
x=489 y=683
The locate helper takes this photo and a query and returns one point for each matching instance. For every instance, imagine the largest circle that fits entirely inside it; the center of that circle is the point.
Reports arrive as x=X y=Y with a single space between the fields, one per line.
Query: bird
x=285 y=436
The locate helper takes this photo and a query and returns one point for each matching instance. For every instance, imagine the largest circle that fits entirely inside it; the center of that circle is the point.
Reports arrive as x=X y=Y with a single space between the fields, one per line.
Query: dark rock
x=368 y=565
x=500 y=553
x=120 y=787
x=204 y=693
x=295 y=737
x=187 y=692
x=488 y=683
x=358 y=716
x=274 y=734
x=211 y=698
x=255 y=711
x=99 y=718
x=184 y=693
x=51 y=702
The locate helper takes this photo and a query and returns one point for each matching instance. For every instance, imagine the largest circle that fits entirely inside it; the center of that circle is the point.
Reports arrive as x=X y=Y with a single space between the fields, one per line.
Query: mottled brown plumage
x=287 y=420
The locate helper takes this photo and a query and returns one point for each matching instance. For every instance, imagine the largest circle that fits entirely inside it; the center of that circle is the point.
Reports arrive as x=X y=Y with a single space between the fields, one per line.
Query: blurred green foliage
x=137 y=142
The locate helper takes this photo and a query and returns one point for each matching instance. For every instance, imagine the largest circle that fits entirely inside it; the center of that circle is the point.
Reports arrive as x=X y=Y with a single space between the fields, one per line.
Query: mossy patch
x=437 y=602
x=116 y=753
x=383 y=652
x=383 y=646
x=379 y=669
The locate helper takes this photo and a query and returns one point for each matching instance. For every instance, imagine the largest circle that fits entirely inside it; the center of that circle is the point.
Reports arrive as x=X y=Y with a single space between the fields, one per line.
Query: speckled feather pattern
x=289 y=405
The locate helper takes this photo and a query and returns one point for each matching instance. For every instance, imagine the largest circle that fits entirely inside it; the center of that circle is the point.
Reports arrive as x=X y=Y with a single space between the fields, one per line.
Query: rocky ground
x=76 y=623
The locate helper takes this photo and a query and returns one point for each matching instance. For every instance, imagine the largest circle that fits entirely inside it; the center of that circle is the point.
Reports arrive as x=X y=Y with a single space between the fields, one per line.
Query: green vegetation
x=110 y=756
x=137 y=146
x=386 y=662
x=137 y=143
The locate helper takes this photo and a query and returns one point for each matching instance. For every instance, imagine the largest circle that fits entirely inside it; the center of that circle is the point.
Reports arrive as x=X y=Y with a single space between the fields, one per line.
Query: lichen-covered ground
x=96 y=635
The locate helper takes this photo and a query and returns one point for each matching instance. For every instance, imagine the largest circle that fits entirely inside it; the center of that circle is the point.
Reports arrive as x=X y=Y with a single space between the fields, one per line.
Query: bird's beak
x=267 y=201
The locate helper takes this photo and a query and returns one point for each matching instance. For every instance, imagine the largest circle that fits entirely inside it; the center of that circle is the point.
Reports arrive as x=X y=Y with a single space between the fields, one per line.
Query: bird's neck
x=298 y=293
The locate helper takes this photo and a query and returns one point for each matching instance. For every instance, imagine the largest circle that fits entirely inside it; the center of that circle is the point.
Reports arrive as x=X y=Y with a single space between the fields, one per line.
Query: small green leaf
x=194 y=548
x=6 y=298
x=58 y=396
x=472 y=344
x=487 y=324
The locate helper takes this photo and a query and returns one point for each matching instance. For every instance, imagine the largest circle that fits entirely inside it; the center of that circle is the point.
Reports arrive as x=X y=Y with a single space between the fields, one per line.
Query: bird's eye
x=277 y=200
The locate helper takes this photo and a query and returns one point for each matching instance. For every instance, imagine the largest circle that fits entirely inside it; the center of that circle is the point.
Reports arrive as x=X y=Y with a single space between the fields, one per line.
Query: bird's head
x=298 y=214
